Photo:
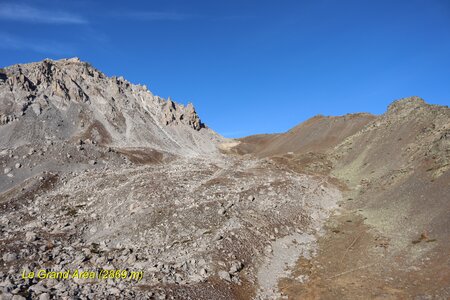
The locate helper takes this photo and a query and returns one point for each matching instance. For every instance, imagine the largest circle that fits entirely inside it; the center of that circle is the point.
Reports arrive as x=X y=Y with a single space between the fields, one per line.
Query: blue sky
x=248 y=66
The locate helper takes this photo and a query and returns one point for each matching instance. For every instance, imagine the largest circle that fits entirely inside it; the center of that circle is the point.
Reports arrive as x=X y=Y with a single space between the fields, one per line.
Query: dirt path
x=284 y=252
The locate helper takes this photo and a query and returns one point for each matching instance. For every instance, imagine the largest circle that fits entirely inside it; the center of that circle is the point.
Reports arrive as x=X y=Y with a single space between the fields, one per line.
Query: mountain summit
x=68 y=100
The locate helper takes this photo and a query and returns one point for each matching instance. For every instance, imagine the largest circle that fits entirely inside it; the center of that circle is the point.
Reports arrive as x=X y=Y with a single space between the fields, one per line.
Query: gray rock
x=7 y=170
x=6 y=296
x=18 y=165
x=7 y=283
x=30 y=236
x=224 y=275
x=114 y=291
x=268 y=249
x=132 y=259
x=236 y=266
x=36 y=108
x=9 y=257
x=217 y=237
x=38 y=288
x=44 y=296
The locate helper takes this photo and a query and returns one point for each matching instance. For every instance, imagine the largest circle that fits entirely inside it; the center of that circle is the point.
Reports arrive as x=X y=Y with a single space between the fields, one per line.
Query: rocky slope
x=317 y=134
x=99 y=174
x=68 y=100
x=59 y=115
x=197 y=228
x=401 y=164
x=392 y=230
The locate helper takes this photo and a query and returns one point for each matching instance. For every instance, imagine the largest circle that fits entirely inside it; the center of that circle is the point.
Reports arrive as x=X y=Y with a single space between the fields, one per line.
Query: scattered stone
x=39 y=288
x=9 y=257
x=6 y=296
x=236 y=266
x=7 y=170
x=114 y=291
x=268 y=249
x=224 y=275
x=217 y=237
x=18 y=165
x=44 y=296
x=30 y=236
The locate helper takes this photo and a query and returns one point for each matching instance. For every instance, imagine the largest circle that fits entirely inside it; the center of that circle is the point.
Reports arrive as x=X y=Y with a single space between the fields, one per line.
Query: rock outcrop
x=178 y=114
x=68 y=98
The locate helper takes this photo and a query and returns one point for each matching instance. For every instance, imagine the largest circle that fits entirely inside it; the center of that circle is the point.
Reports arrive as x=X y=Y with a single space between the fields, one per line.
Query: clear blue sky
x=248 y=66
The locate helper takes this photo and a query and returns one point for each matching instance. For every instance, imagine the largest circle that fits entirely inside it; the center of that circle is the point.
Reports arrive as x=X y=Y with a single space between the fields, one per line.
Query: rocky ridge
x=69 y=99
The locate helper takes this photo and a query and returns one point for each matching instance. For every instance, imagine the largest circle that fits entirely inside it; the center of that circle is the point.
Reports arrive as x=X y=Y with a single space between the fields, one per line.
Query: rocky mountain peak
x=75 y=90
x=406 y=105
x=74 y=59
